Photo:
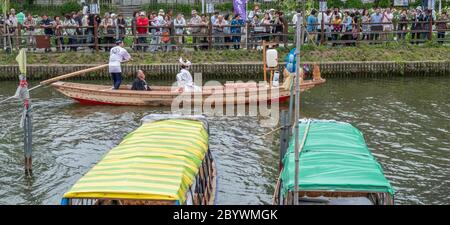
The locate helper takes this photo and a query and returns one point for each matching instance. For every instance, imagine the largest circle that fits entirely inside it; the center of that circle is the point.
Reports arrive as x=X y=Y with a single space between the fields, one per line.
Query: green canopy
x=334 y=157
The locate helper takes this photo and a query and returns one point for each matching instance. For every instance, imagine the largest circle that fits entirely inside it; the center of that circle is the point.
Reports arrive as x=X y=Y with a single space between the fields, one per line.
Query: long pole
x=5 y=29
x=297 y=107
x=203 y=6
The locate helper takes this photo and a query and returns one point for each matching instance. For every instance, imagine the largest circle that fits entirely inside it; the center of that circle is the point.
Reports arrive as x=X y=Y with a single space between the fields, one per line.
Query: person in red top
x=142 y=30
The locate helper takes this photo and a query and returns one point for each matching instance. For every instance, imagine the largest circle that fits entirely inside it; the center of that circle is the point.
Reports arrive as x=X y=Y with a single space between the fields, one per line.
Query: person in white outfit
x=184 y=78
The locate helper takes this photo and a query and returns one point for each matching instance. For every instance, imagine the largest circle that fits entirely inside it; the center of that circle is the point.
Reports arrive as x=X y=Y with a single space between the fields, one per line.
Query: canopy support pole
x=297 y=110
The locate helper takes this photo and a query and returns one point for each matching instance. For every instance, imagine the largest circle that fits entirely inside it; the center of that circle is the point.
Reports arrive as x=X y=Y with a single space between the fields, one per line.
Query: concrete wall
x=242 y=71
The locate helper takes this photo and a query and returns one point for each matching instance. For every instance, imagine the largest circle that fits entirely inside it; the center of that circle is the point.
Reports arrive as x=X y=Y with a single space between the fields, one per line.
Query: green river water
x=406 y=122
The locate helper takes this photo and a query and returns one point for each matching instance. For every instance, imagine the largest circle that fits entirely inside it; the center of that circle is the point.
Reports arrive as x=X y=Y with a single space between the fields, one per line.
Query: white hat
x=419 y=8
x=185 y=63
x=142 y=14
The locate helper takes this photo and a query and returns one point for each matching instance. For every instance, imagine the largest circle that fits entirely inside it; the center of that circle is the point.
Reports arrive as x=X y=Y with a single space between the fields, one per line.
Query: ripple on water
x=405 y=122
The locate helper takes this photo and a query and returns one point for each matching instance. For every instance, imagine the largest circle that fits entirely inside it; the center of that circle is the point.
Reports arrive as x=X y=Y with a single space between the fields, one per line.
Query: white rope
x=14 y=96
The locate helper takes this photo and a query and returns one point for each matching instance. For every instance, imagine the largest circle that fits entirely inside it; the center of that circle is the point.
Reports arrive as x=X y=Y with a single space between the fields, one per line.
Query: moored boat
x=335 y=167
x=166 y=161
x=236 y=93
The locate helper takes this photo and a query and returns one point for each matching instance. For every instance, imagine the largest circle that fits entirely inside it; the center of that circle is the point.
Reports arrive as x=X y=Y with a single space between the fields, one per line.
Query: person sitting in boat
x=184 y=78
x=139 y=84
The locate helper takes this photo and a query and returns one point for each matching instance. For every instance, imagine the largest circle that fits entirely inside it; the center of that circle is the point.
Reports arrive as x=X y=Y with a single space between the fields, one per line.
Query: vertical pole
x=27 y=128
x=246 y=34
x=322 y=34
x=264 y=60
x=297 y=107
x=96 y=35
x=18 y=34
x=283 y=138
x=430 y=29
x=203 y=6
x=210 y=27
x=5 y=29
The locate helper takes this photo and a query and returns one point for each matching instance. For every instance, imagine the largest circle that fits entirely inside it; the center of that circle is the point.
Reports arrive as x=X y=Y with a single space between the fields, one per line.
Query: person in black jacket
x=139 y=84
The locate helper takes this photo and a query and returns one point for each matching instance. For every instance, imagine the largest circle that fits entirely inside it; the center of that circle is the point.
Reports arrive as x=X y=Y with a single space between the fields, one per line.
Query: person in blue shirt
x=376 y=18
x=348 y=26
x=236 y=24
x=311 y=26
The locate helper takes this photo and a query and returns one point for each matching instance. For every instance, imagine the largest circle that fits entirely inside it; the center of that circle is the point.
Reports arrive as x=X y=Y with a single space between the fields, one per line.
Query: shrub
x=70 y=6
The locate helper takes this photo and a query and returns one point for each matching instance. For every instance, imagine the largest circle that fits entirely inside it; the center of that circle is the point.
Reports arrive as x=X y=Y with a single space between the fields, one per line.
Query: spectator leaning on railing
x=47 y=24
x=236 y=23
x=179 y=24
x=204 y=31
x=387 y=22
x=441 y=26
x=311 y=26
x=30 y=27
x=108 y=31
x=70 y=26
x=218 y=27
x=195 y=22
x=142 y=24
x=58 y=27
x=376 y=27
x=402 y=25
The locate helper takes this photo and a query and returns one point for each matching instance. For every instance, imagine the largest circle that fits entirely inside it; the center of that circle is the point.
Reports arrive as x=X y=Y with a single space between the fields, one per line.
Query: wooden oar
x=65 y=76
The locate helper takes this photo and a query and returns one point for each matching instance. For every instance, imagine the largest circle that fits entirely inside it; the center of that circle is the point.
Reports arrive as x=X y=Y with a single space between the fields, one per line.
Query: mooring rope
x=14 y=96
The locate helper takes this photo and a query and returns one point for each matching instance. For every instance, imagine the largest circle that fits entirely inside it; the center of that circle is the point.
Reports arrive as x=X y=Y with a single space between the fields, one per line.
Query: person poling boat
x=139 y=84
x=117 y=56
x=184 y=78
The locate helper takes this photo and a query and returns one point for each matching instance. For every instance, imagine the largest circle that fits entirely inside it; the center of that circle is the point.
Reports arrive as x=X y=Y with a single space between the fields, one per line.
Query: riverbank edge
x=244 y=70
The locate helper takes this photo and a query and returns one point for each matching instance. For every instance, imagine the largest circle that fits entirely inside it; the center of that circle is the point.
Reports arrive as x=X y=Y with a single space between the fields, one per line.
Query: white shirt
x=117 y=55
x=85 y=10
x=184 y=79
x=179 y=25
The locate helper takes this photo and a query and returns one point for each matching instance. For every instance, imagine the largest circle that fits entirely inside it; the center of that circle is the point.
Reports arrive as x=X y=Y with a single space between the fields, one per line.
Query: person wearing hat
x=118 y=55
x=195 y=21
x=184 y=78
x=272 y=14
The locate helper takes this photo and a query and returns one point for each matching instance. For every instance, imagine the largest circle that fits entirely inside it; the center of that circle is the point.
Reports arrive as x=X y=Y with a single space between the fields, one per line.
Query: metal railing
x=204 y=37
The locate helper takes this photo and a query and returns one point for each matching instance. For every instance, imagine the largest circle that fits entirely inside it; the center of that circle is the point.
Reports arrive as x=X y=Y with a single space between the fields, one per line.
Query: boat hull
x=245 y=93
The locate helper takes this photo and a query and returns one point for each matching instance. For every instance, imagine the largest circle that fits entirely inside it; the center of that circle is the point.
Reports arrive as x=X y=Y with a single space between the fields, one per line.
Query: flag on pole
x=22 y=60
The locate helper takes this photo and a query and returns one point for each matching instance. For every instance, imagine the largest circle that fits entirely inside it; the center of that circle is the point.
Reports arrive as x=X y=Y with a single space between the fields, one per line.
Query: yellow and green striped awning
x=158 y=161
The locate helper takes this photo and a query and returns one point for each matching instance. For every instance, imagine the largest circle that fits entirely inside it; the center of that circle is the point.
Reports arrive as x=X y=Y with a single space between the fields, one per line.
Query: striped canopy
x=158 y=161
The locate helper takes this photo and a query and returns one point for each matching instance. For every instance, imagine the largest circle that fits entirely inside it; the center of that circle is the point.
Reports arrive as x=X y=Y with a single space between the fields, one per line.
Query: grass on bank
x=382 y=52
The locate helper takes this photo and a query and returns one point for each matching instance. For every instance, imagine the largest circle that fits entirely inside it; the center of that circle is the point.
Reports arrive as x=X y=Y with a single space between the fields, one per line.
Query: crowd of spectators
x=161 y=31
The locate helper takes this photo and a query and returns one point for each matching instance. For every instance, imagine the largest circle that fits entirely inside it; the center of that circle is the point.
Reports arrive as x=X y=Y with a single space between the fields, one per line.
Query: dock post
x=284 y=137
x=27 y=140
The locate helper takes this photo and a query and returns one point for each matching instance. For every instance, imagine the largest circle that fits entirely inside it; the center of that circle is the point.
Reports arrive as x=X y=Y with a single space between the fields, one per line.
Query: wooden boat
x=335 y=167
x=166 y=161
x=241 y=93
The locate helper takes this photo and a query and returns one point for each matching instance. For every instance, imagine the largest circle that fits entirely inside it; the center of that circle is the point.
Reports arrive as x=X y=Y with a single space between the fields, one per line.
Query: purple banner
x=240 y=8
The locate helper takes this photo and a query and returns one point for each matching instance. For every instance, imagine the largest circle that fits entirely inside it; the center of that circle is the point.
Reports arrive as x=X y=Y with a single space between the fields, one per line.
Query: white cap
x=185 y=63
